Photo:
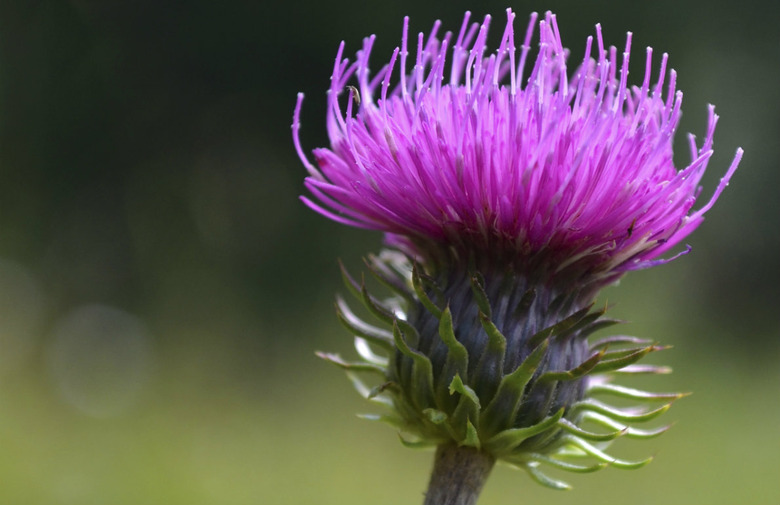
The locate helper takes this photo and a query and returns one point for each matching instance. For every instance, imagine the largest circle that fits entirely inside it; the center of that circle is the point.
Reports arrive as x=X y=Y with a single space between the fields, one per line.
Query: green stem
x=458 y=475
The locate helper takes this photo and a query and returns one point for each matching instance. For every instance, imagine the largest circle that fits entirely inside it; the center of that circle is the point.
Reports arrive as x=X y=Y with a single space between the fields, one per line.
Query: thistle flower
x=508 y=197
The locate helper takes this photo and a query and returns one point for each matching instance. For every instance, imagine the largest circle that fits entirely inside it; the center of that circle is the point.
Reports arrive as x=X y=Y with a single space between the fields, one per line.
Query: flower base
x=493 y=368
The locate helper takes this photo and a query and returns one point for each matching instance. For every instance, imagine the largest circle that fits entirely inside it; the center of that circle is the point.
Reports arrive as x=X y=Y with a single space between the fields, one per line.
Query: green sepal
x=577 y=372
x=430 y=284
x=355 y=366
x=388 y=278
x=619 y=340
x=364 y=350
x=560 y=328
x=421 y=388
x=472 y=437
x=572 y=428
x=565 y=465
x=381 y=388
x=602 y=456
x=634 y=355
x=587 y=319
x=367 y=392
x=423 y=297
x=374 y=306
x=496 y=339
x=544 y=480
x=643 y=369
x=506 y=441
x=633 y=394
x=352 y=285
x=457 y=354
x=490 y=367
x=506 y=402
x=457 y=360
x=356 y=326
x=525 y=304
x=628 y=351
x=570 y=451
x=385 y=315
x=467 y=409
x=627 y=416
x=457 y=386
x=600 y=324
x=630 y=431
x=480 y=297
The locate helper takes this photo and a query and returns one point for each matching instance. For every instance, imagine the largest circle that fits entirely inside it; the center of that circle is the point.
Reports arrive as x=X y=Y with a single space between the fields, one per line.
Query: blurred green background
x=162 y=290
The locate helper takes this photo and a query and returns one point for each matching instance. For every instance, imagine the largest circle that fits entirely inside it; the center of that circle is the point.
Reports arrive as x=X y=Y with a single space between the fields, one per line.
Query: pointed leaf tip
x=544 y=480
x=480 y=296
x=357 y=366
x=457 y=386
x=358 y=327
x=386 y=276
x=496 y=339
x=606 y=458
x=472 y=437
x=633 y=394
x=625 y=415
x=577 y=372
x=351 y=284
x=587 y=435
x=569 y=467
x=419 y=289
x=374 y=306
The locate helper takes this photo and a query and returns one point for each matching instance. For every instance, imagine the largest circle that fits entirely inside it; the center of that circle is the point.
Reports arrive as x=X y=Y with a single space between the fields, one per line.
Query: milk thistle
x=508 y=197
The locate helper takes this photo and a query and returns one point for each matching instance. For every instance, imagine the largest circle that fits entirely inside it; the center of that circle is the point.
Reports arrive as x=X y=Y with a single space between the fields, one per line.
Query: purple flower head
x=515 y=191
x=482 y=154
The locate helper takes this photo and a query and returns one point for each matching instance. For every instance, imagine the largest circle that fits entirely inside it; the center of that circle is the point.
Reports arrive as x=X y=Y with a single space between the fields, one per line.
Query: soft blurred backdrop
x=162 y=290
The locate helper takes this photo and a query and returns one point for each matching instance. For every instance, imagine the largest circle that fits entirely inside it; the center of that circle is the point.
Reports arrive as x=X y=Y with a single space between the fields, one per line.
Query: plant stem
x=458 y=475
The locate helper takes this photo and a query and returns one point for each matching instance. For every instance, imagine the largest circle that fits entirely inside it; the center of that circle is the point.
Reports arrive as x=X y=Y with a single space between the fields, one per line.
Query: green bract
x=487 y=361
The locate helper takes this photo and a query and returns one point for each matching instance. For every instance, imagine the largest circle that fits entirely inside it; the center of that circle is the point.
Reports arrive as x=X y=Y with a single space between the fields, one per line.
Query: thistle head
x=563 y=173
x=509 y=193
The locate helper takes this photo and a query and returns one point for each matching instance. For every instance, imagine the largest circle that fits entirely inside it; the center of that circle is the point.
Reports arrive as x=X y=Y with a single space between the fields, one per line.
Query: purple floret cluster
x=481 y=151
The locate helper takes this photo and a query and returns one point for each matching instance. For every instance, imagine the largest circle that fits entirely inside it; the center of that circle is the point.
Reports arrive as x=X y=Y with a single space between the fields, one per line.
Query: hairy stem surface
x=458 y=475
